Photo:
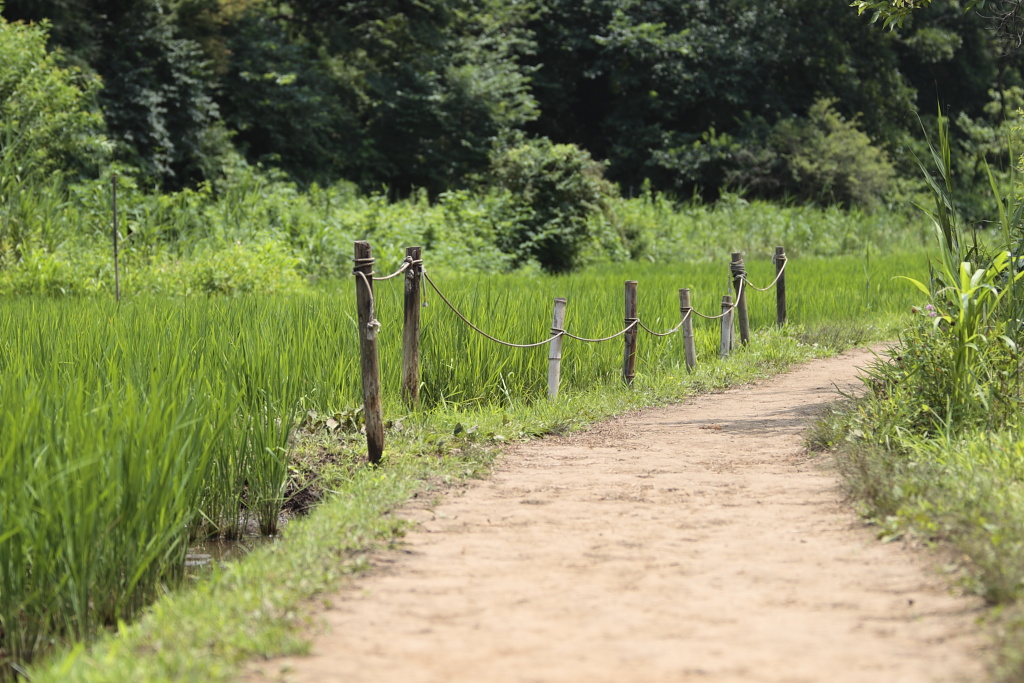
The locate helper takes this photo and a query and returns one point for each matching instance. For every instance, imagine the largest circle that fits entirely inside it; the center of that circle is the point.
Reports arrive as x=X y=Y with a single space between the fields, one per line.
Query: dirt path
x=690 y=543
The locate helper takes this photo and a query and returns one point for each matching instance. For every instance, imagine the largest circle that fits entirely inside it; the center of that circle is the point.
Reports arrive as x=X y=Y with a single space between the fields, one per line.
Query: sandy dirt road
x=697 y=542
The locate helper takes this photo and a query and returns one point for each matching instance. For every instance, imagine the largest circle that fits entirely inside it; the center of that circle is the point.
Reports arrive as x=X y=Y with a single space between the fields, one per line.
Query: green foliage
x=47 y=120
x=831 y=158
x=396 y=97
x=384 y=93
x=157 y=95
x=934 y=447
x=893 y=13
x=555 y=191
x=658 y=229
x=673 y=91
x=824 y=158
x=258 y=234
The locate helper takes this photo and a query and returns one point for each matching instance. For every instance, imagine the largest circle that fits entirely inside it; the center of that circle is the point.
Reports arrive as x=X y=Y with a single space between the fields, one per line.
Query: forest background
x=534 y=116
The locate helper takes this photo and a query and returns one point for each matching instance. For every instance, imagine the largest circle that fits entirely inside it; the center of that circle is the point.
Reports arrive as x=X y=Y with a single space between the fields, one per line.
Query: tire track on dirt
x=690 y=543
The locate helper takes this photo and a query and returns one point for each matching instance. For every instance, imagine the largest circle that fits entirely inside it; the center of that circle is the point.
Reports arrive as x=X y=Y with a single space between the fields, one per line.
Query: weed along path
x=697 y=542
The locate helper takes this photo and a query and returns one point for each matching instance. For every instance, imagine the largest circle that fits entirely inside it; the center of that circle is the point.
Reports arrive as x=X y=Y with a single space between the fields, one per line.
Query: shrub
x=555 y=192
x=824 y=158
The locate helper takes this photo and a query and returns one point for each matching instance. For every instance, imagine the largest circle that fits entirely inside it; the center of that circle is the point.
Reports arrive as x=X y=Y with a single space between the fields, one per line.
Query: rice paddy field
x=128 y=431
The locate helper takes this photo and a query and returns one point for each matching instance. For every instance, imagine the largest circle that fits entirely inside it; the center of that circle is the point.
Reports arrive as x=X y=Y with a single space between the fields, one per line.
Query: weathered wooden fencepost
x=368 y=357
x=726 y=336
x=780 y=286
x=686 y=311
x=629 y=355
x=411 y=328
x=555 y=348
x=117 y=273
x=739 y=272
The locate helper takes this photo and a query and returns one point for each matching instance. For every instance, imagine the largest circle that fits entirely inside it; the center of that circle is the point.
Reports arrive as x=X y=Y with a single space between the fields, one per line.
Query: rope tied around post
x=367 y=278
x=738 y=268
x=369 y=357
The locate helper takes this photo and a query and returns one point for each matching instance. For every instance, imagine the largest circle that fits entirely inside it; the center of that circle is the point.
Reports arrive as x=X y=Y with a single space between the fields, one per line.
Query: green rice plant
x=462 y=367
x=101 y=475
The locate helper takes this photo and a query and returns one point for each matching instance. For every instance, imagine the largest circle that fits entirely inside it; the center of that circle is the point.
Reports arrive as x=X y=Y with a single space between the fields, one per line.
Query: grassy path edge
x=264 y=604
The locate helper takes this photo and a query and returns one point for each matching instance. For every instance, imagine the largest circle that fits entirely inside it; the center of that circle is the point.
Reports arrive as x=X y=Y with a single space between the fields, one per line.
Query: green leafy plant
x=555 y=191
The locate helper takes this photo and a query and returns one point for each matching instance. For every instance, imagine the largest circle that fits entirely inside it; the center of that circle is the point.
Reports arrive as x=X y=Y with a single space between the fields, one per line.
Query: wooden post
x=689 y=350
x=629 y=355
x=411 y=329
x=726 y=338
x=117 y=273
x=368 y=358
x=780 y=286
x=555 y=348
x=739 y=271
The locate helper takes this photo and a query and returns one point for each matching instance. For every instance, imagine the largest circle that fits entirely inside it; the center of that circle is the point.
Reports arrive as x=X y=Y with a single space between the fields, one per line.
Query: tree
x=48 y=119
x=555 y=192
x=670 y=91
x=1004 y=17
x=157 y=91
x=406 y=94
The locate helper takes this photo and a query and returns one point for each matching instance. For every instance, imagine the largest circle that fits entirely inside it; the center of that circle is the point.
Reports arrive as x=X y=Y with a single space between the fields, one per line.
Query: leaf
x=916 y=283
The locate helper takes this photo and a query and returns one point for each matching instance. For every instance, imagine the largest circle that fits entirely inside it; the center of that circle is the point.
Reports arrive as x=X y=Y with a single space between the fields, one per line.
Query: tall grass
x=465 y=368
x=254 y=234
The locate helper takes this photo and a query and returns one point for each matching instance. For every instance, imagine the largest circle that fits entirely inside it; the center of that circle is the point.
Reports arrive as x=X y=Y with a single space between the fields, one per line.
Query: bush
x=824 y=158
x=556 y=193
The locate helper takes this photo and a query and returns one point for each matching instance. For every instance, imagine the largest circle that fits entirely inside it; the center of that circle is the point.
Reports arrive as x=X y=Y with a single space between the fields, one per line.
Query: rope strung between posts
x=686 y=316
x=604 y=339
x=630 y=324
x=555 y=335
x=778 y=276
x=724 y=313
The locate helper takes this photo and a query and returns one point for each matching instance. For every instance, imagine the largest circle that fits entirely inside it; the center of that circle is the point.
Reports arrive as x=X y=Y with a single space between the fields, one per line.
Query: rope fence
x=733 y=315
x=782 y=269
x=554 y=335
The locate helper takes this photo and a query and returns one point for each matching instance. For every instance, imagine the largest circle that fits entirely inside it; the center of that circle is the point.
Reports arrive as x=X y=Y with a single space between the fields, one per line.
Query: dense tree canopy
x=404 y=94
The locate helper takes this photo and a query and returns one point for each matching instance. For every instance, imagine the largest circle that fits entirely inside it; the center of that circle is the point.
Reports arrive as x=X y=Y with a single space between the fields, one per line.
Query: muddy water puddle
x=202 y=556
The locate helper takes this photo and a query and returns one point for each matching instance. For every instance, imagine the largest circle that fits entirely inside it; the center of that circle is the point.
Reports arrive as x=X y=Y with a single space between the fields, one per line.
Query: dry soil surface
x=698 y=542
